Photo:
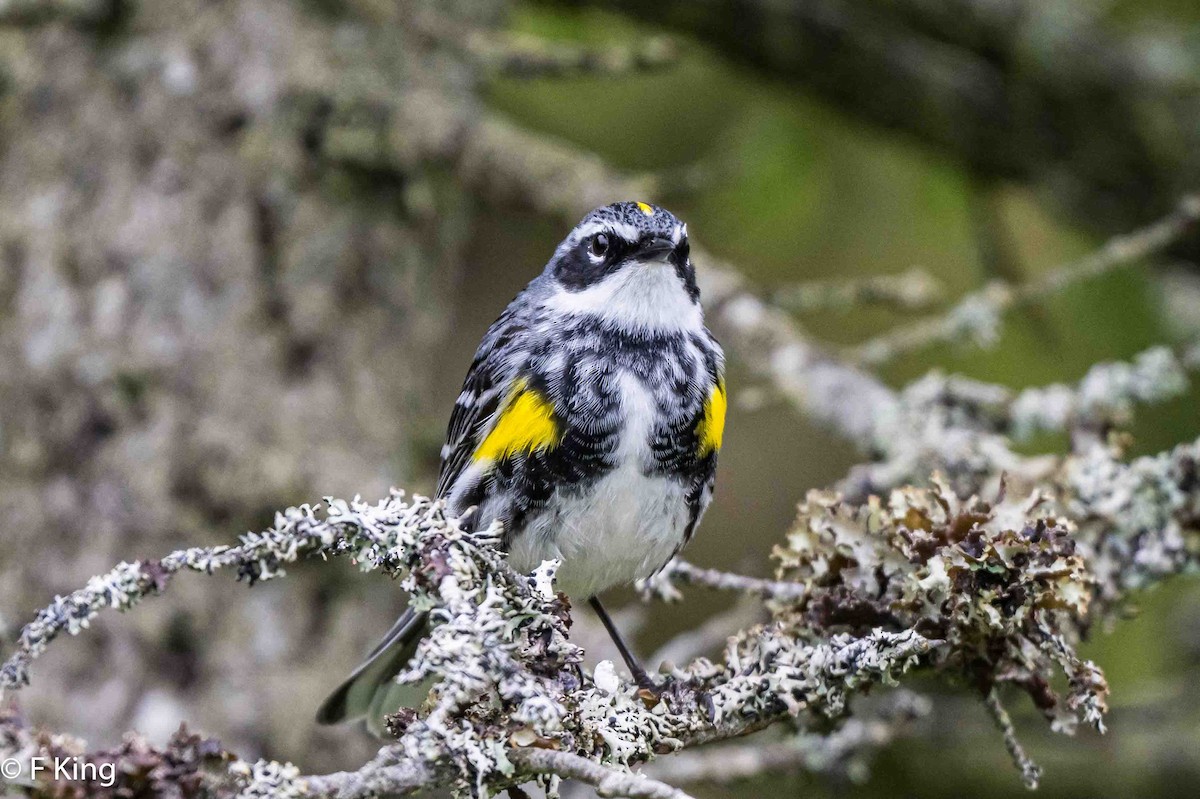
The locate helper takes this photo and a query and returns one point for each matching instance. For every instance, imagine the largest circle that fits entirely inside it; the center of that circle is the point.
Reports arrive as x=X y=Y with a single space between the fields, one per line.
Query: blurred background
x=242 y=267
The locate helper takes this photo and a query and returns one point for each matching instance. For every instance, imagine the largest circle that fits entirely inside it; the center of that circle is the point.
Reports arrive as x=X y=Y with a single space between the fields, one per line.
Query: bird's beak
x=658 y=248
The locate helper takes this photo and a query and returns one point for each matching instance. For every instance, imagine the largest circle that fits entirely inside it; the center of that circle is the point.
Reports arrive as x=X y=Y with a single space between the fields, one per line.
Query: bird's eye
x=599 y=245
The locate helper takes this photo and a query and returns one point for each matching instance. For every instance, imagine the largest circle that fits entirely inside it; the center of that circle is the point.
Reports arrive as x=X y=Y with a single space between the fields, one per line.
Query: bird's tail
x=370 y=690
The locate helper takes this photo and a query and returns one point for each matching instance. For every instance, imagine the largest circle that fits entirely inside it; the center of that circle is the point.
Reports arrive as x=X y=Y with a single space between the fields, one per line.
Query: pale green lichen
x=999 y=586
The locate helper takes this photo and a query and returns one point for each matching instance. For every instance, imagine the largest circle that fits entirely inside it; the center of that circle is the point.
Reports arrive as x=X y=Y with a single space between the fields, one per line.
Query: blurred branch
x=710 y=634
x=1104 y=398
x=841 y=753
x=1037 y=91
x=533 y=57
x=518 y=55
x=977 y=316
x=87 y=13
x=910 y=291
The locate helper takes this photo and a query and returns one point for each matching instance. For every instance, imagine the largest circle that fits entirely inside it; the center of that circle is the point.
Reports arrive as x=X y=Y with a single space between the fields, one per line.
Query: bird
x=589 y=424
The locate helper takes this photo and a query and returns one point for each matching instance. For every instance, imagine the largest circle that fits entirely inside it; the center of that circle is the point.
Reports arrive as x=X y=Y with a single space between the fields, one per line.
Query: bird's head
x=629 y=264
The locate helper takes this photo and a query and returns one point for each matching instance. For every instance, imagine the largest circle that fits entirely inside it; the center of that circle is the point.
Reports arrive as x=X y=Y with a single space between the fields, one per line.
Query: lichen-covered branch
x=1139 y=519
x=607 y=781
x=1103 y=399
x=964 y=428
x=376 y=534
x=913 y=290
x=1000 y=585
x=506 y=673
x=681 y=572
x=979 y=592
x=386 y=775
x=977 y=316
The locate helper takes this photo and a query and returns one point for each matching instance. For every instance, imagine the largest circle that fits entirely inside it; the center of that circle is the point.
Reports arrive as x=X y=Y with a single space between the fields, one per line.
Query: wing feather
x=476 y=406
x=488 y=381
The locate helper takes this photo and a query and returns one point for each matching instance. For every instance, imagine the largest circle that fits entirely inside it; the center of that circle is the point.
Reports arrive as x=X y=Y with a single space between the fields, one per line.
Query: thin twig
x=607 y=781
x=977 y=315
x=913 y=290
x=683 y=572
x=1031 y=773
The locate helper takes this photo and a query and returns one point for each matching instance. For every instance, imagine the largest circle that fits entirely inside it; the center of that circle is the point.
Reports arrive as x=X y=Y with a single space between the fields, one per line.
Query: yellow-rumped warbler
x=589 y=424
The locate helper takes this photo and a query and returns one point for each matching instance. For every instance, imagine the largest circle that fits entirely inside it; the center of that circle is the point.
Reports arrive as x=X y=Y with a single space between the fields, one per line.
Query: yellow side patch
x=526 y=423
x=645 y=209
x=711 y=430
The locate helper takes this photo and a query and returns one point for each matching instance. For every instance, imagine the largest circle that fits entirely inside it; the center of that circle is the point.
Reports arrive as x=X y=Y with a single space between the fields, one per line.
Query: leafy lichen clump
x=999 y=587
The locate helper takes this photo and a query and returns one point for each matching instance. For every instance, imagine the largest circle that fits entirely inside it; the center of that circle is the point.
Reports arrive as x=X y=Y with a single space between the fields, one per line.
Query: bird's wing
x=709 y=430
x=707 y=435
x=488 y=381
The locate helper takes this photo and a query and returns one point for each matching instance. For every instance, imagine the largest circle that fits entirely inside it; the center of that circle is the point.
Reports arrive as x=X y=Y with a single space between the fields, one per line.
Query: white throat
x=647 y=295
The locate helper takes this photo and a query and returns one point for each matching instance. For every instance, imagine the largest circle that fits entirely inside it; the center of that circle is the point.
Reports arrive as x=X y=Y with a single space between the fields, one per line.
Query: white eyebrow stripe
x=625 y=231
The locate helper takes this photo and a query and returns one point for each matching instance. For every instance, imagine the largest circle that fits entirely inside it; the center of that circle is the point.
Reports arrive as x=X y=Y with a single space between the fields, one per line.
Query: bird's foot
x=649 y=691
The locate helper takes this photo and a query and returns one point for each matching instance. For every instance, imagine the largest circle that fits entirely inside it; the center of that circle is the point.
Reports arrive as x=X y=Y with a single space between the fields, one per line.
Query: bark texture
x=209 y=309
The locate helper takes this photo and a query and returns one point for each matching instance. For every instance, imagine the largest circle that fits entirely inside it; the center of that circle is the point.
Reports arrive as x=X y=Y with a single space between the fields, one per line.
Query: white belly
x=621 y=528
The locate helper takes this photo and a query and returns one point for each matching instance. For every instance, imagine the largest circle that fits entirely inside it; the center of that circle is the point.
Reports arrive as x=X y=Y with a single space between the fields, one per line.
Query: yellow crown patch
x=645 y=208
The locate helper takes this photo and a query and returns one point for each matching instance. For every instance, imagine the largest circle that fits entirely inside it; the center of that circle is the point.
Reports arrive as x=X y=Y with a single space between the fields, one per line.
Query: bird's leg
x=635 y=668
